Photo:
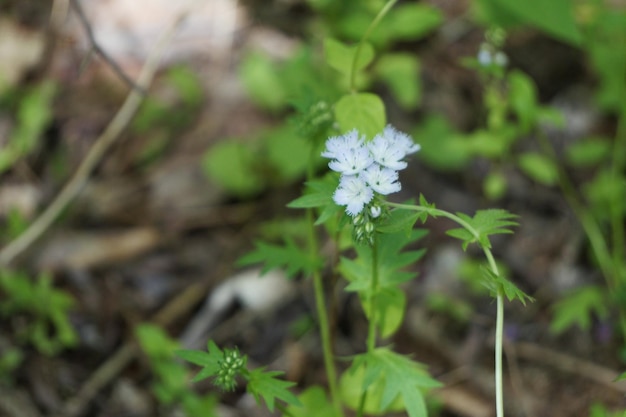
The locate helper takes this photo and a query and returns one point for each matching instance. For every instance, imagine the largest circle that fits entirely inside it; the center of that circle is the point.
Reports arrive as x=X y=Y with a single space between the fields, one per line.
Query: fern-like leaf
x=289 y=256
x=484 y=224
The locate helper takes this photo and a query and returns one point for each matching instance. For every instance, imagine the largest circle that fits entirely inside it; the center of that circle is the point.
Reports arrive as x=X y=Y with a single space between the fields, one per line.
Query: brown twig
x=95 y=46
x=566 y=363
x=95 y=154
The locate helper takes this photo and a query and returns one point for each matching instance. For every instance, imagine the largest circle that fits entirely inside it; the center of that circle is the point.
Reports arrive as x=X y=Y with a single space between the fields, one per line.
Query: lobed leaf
x=264 y=384
x=578 y=308
x=401 y=378
x=288 y=256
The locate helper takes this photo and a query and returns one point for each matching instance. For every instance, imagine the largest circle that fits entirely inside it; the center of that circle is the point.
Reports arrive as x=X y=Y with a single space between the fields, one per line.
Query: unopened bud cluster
x=365 y=223
x=232 y=363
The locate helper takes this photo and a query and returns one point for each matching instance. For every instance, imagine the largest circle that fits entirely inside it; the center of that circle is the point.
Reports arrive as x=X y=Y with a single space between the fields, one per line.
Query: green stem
x=499 y=299
x=371 y=302
x=498 y=346
x=325 y=334
x=368 y=32
x=320 y=306
x=371 y=334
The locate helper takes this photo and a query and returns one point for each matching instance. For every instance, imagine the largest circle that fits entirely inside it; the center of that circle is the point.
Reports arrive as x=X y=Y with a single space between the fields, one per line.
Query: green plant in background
x=171 y=384
x=162 y=118
x=32 y=111
x=513 y=111
x=10 y=360
x=45 y=309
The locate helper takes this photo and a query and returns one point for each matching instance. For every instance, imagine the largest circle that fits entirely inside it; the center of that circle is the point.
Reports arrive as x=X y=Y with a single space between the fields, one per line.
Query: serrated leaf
x=319 y=194
x=264 y=384
x=388 y=300
x=341 y=57
x=403 y=378
x=363 y=111
x=539 y=167
x=499 y=284
x=399 y=221
x=578 y=308
x=209 y=361
x=484 y=224
x=289 y=256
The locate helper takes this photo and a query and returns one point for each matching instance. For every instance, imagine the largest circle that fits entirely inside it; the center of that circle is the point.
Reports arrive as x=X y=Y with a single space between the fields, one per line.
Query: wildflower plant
x=365 y=155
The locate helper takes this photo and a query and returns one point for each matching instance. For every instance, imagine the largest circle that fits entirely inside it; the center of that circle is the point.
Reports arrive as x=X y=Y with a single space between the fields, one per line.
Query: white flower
x=375 y=211
x=337 y=145
x=382 y=180
x=352 y=161
x=354 y=193
x=386 y=154
x=401 y=140
x=348 y=153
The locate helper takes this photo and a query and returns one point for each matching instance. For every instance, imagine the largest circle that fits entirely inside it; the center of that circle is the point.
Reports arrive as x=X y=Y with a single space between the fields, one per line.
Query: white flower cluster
x=367 y=167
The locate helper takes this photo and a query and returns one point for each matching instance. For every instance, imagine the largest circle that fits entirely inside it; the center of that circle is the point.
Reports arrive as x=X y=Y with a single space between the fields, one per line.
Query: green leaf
x=408 y=22
x=606 y=193
x=262 y=79
x=319 y=193
x=399 y=221
x=486 y=143
x=495 y=185
x=341 y=57
x=539 y=167
x=499 y=284
x=232 y=165
x=588 y=152
x=578 y=308
x=155 y=342
x=401 y=378
x=523 y=99
x=363 y=111
x=483 y=224
x=555 y=17
x=288 y=154
x=389 y=301
x=442 y=147
x=401 y=73
x=314 y=403
x=622 y=377
x=265 y=384
x=288 y=256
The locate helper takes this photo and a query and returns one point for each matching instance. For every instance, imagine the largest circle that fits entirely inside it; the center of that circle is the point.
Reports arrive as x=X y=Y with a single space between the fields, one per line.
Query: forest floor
x=149 y=237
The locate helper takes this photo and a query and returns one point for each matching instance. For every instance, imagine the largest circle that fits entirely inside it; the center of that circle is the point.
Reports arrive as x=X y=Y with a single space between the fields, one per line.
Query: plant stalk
x=371 y=302
x=368 y=32
x=499 y=298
